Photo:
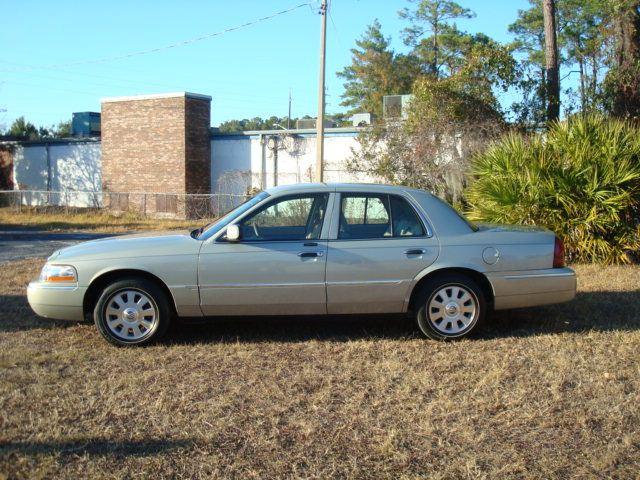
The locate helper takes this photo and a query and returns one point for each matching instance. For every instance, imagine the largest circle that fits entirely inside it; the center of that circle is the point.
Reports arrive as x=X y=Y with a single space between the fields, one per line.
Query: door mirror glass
x=233 y=233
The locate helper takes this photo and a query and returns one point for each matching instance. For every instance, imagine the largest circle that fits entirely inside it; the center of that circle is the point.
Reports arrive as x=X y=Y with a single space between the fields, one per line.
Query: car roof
x=339 y=187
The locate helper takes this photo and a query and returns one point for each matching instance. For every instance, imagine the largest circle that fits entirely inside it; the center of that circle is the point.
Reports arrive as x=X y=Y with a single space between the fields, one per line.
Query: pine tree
x=375 y=71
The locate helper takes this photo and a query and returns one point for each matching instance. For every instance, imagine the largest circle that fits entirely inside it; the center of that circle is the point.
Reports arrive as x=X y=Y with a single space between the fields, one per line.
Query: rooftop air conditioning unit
x=85 y=124
x=395 y=106
x=308 y=123
x=361 y=119
x=305 y=123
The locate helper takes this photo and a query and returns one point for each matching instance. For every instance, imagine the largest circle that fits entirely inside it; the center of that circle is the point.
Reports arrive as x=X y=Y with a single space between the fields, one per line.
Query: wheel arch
x=479 y=277
x=105 y=278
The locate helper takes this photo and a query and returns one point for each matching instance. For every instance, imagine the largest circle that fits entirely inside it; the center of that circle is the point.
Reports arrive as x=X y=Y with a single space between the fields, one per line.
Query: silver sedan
x=309 y=249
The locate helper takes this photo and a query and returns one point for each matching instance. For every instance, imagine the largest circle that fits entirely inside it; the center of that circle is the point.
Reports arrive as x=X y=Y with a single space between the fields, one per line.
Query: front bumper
x=56 y=301
x=532 y=287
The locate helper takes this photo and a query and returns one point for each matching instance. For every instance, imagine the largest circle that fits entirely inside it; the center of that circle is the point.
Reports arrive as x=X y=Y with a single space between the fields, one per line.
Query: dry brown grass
x=544 y=393
x=94 y=220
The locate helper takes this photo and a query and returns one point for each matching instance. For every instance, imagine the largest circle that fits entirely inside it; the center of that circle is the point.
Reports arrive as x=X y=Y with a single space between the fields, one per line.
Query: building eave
x=155 y=96
x=302 y=131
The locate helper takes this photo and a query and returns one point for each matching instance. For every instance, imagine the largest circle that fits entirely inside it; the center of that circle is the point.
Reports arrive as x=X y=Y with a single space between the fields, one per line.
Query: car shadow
x=293 y=329
x=93 y=447
x=16 y=315
x=590 y=311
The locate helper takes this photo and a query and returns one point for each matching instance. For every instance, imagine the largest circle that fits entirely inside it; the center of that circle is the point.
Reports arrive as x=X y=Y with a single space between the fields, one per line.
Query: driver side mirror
x=233 y=233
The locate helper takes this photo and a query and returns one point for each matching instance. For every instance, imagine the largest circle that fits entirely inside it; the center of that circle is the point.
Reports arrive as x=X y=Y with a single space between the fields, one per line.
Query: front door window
x=289 y=218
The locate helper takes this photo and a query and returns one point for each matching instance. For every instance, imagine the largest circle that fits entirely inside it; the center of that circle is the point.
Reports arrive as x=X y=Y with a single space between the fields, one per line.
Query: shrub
x=580 y=179
x=447 y=121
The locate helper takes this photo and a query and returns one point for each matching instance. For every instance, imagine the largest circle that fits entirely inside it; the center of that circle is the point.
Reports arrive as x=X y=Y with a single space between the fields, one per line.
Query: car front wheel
x=132 y=311
x=449 y=307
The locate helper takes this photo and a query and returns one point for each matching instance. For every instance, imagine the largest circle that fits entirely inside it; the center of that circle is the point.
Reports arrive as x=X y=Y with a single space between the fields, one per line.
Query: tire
x=132 y=311
x=449 y=307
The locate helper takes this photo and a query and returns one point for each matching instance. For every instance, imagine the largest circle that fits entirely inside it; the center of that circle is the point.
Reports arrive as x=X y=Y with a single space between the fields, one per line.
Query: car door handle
x=415 y=251
x=310 y=254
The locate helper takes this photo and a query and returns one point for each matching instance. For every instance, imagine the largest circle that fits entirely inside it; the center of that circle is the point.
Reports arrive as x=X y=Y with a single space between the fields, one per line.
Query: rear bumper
x=532 y=287
x=56 y=301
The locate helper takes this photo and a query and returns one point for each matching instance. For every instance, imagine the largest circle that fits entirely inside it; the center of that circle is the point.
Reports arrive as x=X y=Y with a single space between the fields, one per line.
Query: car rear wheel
x=449 y=307
x=132 y=311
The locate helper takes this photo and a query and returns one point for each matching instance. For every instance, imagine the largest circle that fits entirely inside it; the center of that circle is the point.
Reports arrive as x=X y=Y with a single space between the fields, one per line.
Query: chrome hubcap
x=452 y=309
x=130 y=314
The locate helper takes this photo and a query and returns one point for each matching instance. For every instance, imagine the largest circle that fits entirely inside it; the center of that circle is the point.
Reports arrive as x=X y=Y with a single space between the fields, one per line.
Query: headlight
x=58 y=274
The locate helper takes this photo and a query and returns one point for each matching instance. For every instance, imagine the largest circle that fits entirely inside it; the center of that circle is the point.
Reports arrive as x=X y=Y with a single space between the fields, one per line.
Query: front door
x=277 y=267
x=381 y=245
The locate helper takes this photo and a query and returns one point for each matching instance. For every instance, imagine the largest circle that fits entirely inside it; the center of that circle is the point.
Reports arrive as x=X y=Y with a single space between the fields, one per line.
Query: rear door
x=378 y=245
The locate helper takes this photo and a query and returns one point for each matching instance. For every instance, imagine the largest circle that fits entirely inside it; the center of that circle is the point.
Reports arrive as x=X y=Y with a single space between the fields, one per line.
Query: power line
x=166 y=47
x=226 y=94
x=121 y=84
x=220 y=100
x=335 y=29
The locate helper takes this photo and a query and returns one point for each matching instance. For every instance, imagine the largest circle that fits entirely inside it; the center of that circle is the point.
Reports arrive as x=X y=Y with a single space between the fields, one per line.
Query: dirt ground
x=543 y=393
x=87 y=221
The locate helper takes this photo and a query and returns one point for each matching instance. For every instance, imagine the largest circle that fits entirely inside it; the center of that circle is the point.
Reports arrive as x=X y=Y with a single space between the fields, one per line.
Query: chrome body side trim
x=261 y=285
x=367 y=282
x=538 y=275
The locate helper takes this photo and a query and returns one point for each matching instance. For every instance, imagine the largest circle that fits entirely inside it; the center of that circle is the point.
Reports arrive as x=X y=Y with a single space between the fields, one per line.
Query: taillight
x=558 y=254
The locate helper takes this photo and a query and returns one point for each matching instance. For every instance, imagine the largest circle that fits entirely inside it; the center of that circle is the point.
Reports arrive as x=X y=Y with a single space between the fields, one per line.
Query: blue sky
x=247 y=72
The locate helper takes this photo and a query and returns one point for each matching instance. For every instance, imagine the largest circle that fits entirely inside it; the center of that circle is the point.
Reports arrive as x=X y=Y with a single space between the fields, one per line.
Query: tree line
x=595 y=41
x=517 y=163
x=274 y=123
x=598 y=41
x=457 y=80
x=21 y=129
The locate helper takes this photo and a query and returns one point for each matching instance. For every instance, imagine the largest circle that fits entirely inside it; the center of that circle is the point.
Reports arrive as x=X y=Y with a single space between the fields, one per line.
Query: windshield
x=214 y=227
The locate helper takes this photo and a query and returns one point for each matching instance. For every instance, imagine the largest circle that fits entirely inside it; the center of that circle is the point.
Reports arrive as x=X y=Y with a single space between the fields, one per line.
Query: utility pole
x=289 y=116
x=551 y=57
x=320 y=119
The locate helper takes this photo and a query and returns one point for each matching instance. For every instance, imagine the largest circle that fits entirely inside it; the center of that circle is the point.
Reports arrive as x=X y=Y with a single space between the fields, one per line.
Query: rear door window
x=405 y=219
x=364 y=216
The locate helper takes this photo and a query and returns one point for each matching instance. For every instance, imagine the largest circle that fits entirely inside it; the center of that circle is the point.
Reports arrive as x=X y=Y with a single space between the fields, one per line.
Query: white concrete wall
x=230 y=162
x=30 y=168
x=247 y=161
x=238 y=163
x=73 y=168
x=76 y=167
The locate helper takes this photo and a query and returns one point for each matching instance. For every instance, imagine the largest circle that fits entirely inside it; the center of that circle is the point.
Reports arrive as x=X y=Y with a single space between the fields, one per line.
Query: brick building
x=157 y=148
x=156 y=144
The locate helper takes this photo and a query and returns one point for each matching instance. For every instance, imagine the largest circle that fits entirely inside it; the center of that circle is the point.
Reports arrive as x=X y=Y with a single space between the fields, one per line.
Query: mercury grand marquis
x=309 y=249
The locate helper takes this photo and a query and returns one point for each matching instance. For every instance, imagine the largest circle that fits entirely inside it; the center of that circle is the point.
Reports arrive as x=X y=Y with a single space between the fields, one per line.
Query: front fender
x=178 y=273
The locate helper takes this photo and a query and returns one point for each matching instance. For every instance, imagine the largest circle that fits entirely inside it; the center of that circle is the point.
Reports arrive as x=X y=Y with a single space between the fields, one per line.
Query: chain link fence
x=156 y=205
